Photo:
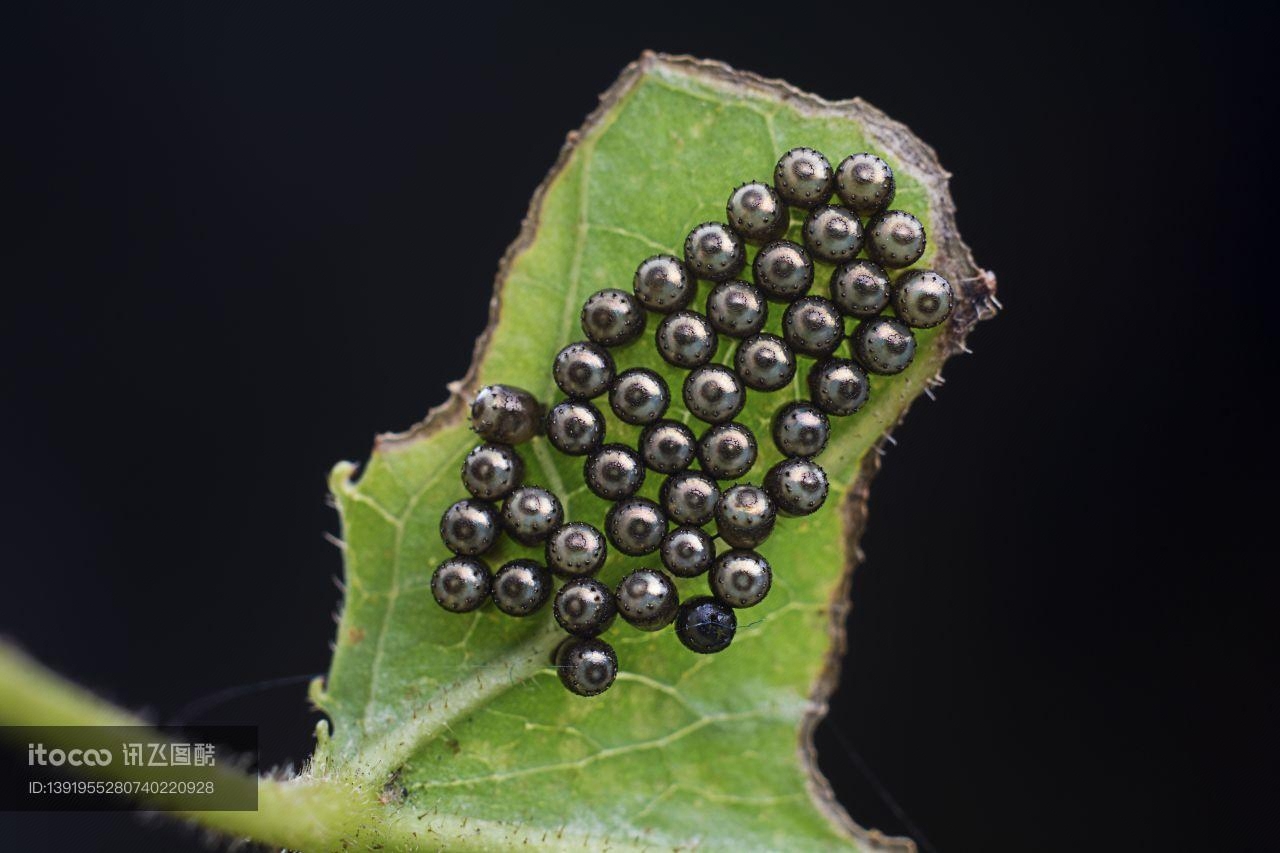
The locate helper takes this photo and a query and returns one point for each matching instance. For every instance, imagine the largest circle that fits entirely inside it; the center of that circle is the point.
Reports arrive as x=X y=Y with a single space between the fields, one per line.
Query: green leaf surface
x=459 y=720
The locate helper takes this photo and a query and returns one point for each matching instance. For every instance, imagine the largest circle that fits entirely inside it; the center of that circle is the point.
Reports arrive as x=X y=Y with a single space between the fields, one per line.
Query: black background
x=229 y=263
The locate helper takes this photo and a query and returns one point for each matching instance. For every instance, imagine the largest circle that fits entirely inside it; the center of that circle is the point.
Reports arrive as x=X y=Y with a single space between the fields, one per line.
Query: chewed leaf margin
x=363 y=746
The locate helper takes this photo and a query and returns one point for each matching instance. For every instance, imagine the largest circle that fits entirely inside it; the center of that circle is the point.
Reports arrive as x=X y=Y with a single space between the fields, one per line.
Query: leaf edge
x=953 y=257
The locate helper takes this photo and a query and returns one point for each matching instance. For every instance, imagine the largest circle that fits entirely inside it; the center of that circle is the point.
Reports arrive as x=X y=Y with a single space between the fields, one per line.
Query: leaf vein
x=602 y=755
x=388 y=613
x=656 y=245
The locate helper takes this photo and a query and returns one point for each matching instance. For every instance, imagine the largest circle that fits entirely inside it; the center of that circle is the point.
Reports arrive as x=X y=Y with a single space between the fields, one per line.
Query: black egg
x=639 y=396
x=797 y=486
x=705 y=625
x=783 y=270
x=860 y=288
x=804 y=178
x=530 y=513
x=613 y=472
x=636 y=526
x=741 y=578
x=575 y=427
x=865 y=183
x=736 y=308
x=813 y=326
x=470 y=527
x=895 y=239
x=647 y=599
x=584 y=607
x=727 y=451
x=801 y=429
x=686 y=339
x=832 y=234
x=586 y=667
x=521 y=587
x=583 y=370
x=491 y=471
x=667 y=446
x=575 y=549
x=612 y=317
x=461 y=584
x=757 y=213
x=687 y=551
x=662 y=283
x=714 y=252
x=922 y=298
x=838 y=386
x=714 y=394
x=884 y=345
x=505 y=414
x=689 y=497
x=765 y=362
x=745 y=516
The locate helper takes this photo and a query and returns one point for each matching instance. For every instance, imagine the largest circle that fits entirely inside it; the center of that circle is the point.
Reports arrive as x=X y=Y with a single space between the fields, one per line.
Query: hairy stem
x=304 y=813
x=312 y=813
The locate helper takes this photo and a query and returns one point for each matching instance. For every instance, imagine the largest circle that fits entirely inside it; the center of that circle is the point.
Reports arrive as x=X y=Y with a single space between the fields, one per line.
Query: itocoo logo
x=37 y=754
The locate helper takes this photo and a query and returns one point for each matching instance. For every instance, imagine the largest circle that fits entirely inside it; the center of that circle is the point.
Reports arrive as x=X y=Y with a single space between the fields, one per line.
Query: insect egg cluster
x=707 y=519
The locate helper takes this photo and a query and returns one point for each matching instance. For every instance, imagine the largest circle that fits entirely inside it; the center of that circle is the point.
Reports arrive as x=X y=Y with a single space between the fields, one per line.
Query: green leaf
x=458 y=720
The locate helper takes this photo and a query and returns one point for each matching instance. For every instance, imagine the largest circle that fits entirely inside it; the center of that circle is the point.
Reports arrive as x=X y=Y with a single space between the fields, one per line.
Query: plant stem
x=306 y=813
x=343 y=811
